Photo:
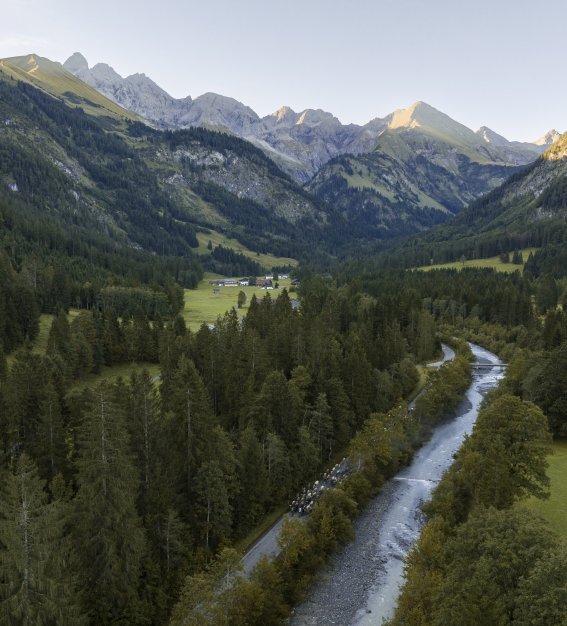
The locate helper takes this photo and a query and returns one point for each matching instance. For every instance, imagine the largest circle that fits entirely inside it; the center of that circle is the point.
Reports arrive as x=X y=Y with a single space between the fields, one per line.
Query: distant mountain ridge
x=394 y=176
x=300 y=142
x=528 y=210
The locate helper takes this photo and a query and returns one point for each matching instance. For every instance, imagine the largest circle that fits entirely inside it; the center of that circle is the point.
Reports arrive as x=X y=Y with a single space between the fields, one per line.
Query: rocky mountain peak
x=314 y=117
x=550 y=137
x=106 y=74
x=76 y=63
x=284 y=114
x=491 y=137
x=418 y=114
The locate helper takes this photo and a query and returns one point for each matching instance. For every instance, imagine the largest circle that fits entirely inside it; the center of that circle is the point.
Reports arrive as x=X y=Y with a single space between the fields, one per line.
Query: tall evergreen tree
x=189 y=423
x=214 y=511
x=35 y=585
x=50 y=449
x=107 y=530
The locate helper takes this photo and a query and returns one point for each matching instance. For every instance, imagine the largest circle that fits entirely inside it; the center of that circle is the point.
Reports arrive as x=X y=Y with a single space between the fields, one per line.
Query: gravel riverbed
x=344 y=586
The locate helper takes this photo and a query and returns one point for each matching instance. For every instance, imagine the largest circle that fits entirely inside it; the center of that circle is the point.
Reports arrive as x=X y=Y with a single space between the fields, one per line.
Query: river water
x=361 y=586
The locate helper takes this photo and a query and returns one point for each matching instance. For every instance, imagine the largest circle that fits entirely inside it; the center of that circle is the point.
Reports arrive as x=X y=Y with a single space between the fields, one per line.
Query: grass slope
x=52 y=78
x=267 y=261
x=554 y=510
x=493 y=262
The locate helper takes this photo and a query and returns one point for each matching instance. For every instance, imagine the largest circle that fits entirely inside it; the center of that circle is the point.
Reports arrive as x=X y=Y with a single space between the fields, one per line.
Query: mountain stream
x=361 y=585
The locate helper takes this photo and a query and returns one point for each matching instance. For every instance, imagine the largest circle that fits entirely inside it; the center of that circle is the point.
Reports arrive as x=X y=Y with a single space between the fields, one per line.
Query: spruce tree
x=50 y=448
x=108 y=533
x=188 y=425
x=35 y=585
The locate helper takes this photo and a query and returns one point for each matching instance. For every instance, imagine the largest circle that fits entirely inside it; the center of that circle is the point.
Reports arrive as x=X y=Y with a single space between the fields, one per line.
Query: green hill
x=528 y=210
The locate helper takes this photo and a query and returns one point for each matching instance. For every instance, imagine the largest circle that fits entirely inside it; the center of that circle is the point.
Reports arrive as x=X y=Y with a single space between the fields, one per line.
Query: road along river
x=361 y=585
x=267 y=545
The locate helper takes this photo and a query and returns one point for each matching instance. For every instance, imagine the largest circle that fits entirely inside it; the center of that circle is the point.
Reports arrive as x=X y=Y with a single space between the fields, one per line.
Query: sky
x=495 y=63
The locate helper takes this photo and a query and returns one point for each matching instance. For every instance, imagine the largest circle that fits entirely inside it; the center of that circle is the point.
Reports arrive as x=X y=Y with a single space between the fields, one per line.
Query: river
x=361 y=585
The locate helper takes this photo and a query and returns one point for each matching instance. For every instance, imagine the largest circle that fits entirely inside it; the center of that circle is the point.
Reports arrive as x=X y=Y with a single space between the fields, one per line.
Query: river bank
x=361 y=584
x=267 y=544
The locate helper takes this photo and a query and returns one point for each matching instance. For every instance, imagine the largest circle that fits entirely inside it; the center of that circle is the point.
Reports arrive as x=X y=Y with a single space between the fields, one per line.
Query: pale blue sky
x=499 y=63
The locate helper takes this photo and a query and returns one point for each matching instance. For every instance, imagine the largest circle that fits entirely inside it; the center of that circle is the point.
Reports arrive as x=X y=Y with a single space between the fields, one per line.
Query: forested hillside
x=149 y=190
x=527 y=210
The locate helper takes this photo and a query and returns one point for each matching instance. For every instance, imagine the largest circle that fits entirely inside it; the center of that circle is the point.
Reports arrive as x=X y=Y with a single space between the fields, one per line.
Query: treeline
x=38 y=288
x=537 y=358
x=19 y=312
x=231 y=263
x=444 y=391
x=134 y=486
x=30 y=237
x=452 y=294
x=384 y=443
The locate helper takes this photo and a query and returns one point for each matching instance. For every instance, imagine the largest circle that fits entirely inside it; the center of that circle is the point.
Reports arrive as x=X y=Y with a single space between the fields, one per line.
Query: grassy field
x=203 y=305
x=554 y=510
x=267 y=261
x=40 y=342
x=45 y=321
x=492 y=262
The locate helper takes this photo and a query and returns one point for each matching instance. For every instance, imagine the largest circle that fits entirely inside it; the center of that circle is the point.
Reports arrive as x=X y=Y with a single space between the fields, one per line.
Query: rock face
x=137 y=93
x=300 y=142
x=549 y=138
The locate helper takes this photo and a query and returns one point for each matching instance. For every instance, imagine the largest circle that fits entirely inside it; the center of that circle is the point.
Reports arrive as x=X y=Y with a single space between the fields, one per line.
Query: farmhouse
x=264 y=282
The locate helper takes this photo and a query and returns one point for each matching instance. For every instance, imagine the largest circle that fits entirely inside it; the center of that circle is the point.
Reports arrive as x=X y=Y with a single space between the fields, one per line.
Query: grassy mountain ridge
x=52 y=78
x=399 y=191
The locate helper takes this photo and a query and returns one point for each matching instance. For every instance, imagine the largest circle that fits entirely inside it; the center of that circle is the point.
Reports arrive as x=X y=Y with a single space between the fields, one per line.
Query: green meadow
x=554 y=510
x=207 y=302
x=492 y=262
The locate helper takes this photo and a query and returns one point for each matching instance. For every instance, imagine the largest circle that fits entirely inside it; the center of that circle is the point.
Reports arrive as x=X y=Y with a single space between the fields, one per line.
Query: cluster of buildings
x=265 y=283
x=230 y=282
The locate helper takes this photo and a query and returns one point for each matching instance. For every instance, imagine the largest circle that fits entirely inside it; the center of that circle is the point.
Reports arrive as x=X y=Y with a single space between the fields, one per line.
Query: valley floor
x=206 y=303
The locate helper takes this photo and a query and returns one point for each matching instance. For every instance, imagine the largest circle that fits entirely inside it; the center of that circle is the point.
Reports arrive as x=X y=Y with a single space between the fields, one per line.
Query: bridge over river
x=489 y=366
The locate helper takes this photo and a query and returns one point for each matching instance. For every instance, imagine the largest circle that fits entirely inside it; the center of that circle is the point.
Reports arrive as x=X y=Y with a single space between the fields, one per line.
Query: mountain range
x=88 y=159
x=300 y=142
